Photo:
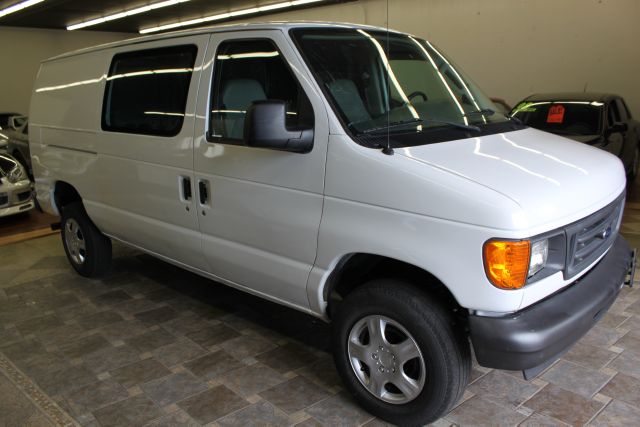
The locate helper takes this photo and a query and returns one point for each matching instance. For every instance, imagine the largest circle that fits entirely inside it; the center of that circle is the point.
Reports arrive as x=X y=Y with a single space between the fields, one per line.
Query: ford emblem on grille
x=605 y=233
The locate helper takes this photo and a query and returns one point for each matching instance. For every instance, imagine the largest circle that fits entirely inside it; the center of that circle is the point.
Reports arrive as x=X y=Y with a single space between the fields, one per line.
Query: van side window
x=146 y=91
x=248 y=71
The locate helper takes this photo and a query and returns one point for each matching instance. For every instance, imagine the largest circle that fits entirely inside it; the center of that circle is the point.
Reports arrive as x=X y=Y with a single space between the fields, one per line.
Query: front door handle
x=203 y=192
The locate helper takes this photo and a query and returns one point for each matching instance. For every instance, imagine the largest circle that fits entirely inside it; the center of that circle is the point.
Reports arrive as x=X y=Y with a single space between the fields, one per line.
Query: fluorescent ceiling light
x=124 y=14
x=221 y=16
x=18 y=6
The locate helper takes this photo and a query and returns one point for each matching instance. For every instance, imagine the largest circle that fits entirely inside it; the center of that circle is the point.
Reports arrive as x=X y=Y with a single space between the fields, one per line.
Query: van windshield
x=422 y=98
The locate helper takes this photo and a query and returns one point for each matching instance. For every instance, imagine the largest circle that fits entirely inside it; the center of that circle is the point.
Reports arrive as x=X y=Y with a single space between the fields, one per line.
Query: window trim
x=623 y=109
x=182 y=48
x=240 y=142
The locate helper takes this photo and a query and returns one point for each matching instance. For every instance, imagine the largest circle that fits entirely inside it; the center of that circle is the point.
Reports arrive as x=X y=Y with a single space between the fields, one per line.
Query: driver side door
x=258 y=209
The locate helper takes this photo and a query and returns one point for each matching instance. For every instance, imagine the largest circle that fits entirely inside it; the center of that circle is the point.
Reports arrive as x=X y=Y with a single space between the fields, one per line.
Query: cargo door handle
x=202 y=189
x=186 y=188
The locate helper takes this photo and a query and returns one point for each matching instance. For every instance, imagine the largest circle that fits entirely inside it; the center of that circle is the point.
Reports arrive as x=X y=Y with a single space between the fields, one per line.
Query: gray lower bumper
x=537 y=335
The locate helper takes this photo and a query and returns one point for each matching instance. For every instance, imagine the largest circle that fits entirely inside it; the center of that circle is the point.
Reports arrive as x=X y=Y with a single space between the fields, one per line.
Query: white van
x=353 y=174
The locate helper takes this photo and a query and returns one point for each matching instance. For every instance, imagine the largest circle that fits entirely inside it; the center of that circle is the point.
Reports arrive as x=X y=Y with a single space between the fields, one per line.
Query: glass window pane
x=374 y=79
x=615 y=114
x=147 y=91
x=563 y=118
x=247 y=71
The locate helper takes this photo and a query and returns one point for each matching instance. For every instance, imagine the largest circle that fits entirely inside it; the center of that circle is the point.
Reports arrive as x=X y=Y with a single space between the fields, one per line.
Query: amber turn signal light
x=507 y=263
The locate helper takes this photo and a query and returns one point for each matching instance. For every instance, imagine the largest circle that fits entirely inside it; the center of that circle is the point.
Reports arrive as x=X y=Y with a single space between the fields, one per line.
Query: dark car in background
x=4 y=119
x=601 y=120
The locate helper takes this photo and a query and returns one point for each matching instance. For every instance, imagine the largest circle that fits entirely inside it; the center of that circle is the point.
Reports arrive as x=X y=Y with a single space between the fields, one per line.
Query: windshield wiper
x=403 y=123
x=484 y=112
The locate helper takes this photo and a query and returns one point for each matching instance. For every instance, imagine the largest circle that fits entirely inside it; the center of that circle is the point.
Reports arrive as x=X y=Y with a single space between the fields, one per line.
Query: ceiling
x=57 y=14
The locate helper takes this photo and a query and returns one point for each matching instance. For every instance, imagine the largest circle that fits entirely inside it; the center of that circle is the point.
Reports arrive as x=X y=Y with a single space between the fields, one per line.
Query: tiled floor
x=154 y=345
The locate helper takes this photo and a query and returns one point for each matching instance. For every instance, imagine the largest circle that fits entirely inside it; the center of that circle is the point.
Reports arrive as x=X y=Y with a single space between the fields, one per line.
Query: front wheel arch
x=356 y=269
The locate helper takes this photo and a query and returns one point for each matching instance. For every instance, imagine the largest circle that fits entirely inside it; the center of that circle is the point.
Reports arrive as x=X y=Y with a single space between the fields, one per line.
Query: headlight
x=539 y=255
x=17 y=174
x=506 y=262
x=509 y=264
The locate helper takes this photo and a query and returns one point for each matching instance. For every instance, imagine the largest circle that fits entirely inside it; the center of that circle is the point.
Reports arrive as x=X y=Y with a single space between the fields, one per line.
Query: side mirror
x=16 y=121
x=617 y=127
x=265 y=127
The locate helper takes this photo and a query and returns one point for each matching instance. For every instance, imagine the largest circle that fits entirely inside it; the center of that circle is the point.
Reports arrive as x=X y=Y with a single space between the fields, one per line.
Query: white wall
x=513 y=48
x=510 y=47
x=23 y=49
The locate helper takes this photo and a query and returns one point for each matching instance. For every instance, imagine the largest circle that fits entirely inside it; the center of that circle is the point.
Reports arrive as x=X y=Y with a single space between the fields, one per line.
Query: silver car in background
x=16 y=141
x=15 y=187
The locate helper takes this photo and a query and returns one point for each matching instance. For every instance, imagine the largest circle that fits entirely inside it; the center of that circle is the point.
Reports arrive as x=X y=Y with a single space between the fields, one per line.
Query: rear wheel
x=87 y=249
x=399 y=353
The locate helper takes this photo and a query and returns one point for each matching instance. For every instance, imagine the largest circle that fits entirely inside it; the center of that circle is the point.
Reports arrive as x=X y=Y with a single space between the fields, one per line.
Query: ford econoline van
x=354 y=174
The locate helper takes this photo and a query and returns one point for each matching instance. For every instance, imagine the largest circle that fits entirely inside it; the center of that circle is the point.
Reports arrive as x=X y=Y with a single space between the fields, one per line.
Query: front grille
x=590 y=237
x=4 y=199
x=24 y=196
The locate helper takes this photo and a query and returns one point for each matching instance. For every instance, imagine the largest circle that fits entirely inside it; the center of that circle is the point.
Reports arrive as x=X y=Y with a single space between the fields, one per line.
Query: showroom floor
x=154 y=345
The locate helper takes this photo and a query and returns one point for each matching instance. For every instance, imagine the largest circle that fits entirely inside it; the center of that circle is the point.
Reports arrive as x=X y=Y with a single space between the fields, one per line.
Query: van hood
x=553 y=179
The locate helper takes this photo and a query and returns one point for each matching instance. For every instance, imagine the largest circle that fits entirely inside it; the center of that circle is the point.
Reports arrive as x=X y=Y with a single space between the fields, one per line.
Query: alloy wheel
x=386 y=359
x=76 y=245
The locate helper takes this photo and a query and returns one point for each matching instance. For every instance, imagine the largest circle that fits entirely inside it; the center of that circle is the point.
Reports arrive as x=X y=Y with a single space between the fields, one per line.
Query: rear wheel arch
x=65 y=194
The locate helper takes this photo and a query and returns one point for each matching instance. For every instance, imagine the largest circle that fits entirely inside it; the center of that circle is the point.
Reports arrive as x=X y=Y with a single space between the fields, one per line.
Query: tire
x=414 y=324
x=87 y=249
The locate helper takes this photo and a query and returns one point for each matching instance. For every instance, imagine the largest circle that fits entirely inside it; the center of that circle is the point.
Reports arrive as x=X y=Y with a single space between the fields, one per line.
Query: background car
x=4 y=119
x=601 y=120
x=18 y=143
x=15 y=187
x=4 y=141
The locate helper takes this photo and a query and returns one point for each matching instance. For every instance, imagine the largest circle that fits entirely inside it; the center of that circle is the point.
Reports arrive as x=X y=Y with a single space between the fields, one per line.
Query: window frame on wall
x=216 y=84
x=177 y=116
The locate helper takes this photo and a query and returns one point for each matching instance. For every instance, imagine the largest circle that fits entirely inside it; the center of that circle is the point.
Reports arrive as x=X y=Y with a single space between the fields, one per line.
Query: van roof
x=276 y=25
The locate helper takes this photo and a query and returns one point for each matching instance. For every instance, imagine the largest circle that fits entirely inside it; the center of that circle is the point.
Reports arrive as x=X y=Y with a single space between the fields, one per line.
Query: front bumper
x=16 y=209
x=530 y=339
x=15 y=198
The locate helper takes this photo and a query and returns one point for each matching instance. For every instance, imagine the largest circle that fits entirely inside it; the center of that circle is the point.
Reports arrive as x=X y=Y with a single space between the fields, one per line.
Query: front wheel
x=87 y=249
x=399 y=353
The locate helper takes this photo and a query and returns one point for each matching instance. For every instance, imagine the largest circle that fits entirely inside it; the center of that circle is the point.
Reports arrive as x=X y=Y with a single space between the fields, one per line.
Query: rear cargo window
x=146 y=91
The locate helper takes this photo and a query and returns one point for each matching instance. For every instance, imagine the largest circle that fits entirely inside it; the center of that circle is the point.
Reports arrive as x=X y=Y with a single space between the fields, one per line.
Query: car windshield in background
x=562 y=118
x=423 y=92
